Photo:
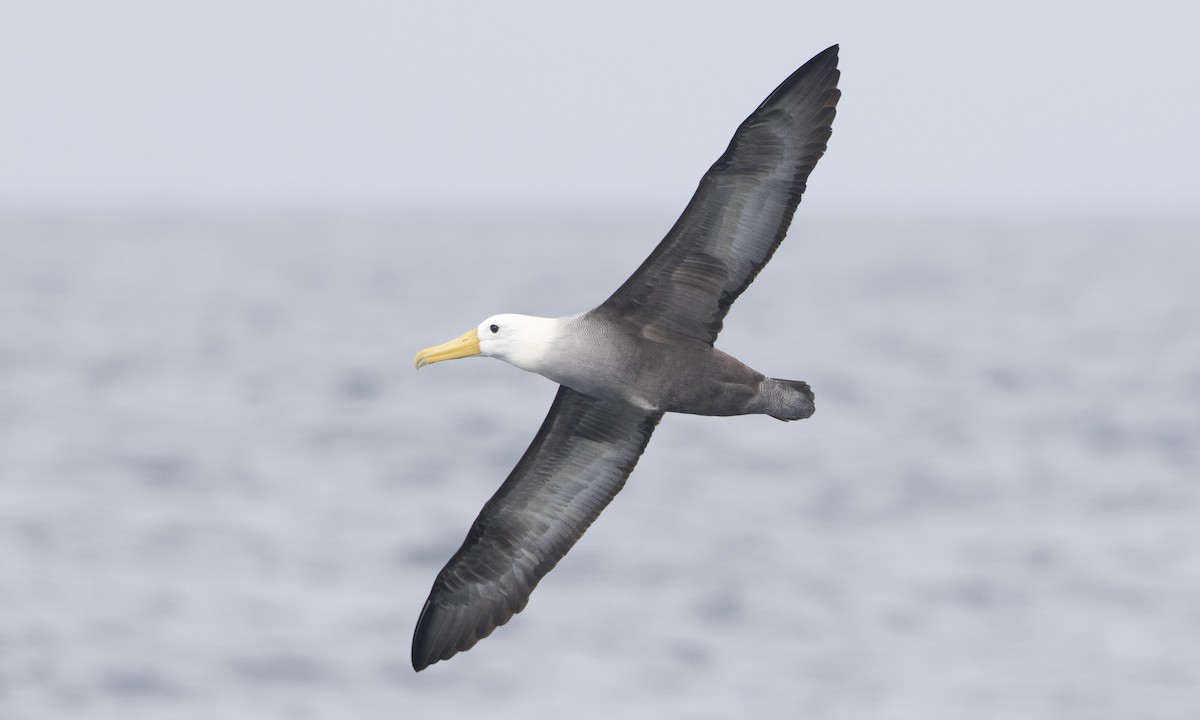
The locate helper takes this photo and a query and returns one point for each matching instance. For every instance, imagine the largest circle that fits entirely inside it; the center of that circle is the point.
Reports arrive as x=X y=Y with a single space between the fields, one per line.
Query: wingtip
x=825 y=61
x=422 y=657
x=821 y=70
x=443 y=632
x=419 y=665
x=424 y=653
x=829 y=53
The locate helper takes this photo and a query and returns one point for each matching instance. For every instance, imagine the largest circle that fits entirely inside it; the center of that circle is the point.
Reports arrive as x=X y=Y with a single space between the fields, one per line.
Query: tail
x=794 y=400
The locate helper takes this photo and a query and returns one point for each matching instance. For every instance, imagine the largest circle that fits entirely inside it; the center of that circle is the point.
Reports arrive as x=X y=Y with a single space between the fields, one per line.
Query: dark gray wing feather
x=576 y=464
x=738 y=216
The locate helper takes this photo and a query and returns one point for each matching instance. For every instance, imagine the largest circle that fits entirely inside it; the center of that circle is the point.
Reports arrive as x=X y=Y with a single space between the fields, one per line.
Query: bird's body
x=645 y=351
x=588 y=350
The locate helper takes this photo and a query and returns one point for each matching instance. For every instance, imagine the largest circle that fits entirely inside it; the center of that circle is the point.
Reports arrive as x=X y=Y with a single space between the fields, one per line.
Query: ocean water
x=224 y=491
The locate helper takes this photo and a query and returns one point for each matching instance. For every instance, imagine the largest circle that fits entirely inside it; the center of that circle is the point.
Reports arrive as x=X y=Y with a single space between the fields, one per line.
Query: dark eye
x=495 y=328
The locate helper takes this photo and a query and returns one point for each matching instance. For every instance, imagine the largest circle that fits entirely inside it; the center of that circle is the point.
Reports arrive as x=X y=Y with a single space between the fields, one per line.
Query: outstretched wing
x=738 y=216
x=576 y=464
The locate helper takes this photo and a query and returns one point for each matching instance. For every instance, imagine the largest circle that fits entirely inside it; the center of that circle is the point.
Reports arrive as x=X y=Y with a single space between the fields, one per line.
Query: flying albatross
x=645 y=351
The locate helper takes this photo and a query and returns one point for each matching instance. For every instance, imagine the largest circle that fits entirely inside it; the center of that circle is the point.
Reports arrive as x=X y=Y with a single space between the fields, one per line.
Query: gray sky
x=949 y=106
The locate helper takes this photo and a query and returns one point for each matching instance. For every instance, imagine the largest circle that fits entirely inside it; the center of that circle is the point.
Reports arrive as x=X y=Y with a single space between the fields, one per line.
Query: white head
x=520 y=340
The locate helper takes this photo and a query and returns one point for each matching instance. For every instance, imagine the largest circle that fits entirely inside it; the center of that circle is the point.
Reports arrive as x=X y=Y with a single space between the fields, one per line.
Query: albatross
x=645 y=351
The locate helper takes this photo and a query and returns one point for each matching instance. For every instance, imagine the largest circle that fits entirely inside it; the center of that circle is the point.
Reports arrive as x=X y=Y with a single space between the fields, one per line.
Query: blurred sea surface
x=224 y=491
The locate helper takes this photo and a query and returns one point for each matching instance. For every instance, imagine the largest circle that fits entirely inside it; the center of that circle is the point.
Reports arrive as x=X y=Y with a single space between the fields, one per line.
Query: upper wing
x=576 y=464
x=739 y=214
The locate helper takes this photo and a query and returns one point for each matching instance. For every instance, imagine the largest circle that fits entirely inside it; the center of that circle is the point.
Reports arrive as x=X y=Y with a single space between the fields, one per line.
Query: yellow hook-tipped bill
x=465 y=345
